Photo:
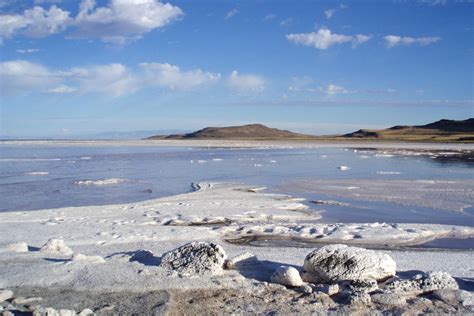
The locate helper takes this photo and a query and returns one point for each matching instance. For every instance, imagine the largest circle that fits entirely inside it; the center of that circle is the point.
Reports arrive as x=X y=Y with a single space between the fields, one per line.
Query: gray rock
x=389 y=299
x=245 y=259
x=339 y=263
x=56 y=246
x=5 y=295
x=196 y=258
x=455 y=297
x=363 y=286
x=359 y=298
x=306 y=289
x=423 y=283
x=329 y=289
x=287 y=276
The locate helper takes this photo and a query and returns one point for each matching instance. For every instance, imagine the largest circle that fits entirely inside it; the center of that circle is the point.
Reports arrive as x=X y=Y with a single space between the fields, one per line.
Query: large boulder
x=335 y=263
x=287 y=276
x=196 y=258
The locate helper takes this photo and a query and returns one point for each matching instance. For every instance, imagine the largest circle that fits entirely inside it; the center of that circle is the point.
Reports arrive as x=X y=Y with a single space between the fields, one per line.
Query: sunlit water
x=36 y=177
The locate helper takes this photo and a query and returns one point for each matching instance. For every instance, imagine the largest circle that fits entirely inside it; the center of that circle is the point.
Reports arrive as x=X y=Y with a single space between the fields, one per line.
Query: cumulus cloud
x=172 y=77
x=122 y=21
x=27 y=51
x=332 y=90
x=231 y=13
x=23 y=77
x=394 y=40
x=119 y=22
x=245 y=82
x=324 y=38
x=35 y=22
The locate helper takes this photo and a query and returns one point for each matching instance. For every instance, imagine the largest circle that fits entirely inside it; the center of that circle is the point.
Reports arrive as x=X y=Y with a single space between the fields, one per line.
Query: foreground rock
x=196 y=258
x=287 y=276
x=56 y=246
x=335 y=263
x=423 y=283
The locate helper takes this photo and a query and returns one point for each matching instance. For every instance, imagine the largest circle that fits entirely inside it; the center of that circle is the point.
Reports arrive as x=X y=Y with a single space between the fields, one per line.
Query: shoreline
x=270 y=144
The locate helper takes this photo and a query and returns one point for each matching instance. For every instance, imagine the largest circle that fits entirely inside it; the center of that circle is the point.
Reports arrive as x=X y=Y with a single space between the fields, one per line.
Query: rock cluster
x=196 y=258
x=335 y=263
x=424 y=283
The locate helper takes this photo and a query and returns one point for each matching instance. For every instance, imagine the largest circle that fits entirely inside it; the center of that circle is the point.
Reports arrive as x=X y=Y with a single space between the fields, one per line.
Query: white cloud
x=27 y=50
x=332 y=90
x=329 y=13
x=231 y=13
x=122 y=21
x=114 y=79
x=394 y=40
x=21 y=77
x=269 y=17
x=35 y=22
x=286 y=22
x=246 y=82
x=61 y=89
x=46 y=1
x=324 y=38
x=171 y=77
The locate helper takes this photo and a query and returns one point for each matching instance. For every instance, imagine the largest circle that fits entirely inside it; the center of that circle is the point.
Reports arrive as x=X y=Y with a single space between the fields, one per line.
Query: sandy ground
x=112 y=264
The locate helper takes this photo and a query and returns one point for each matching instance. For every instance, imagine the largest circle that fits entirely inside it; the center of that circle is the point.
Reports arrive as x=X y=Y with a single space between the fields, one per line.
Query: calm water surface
x=47 y=176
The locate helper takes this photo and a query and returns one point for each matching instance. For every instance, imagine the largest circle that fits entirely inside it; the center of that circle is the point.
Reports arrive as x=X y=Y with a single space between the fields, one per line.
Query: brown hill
x=252 y=131
x=442 y=130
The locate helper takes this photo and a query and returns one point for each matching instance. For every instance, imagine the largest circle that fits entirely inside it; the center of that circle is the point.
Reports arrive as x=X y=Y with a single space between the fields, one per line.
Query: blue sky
x=71 y=68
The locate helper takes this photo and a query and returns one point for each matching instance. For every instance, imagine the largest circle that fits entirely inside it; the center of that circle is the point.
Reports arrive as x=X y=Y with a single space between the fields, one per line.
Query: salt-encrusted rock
x=18 y=247
x=79 y=257
x=50 y=312
x=423 y=283
x=56 y=246
x=243 y=260
x=195 y=258
x=339 y=263
x=287 y=276
x=26 y=300
x=5 y=295
x=365 y=286
x=389 y=299
x=305 y=289
x=310 y=278
x=359 y=298
x=67 y=312
x=86 y=312
x=329 y=289
x=455 y=297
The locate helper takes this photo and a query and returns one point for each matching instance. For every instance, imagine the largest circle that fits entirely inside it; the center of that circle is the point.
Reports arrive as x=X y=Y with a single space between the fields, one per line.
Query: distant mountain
x=442 y=130
x=251 y=131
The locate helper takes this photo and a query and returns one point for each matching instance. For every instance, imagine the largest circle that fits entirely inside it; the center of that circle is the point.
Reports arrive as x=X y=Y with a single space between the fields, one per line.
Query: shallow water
x=48 y=176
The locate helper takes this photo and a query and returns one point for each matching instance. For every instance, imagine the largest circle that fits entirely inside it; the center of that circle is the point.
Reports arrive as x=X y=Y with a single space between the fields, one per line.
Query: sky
x=71 y=68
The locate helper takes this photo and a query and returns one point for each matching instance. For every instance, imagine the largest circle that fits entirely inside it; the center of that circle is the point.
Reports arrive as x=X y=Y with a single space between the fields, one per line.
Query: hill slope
x=442 y=130
x=251 y=131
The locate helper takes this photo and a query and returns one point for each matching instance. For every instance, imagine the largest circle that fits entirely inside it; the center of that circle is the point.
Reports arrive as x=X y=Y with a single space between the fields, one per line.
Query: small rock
x=86 y=312
x=389 y=299
x=24 y=301
x=195 y=258
x=18 y=247
x=423 y=283
x=305 y=289
x=455 y=297
x=56 y=246
x=339 y=263
x=329 y=289
x=67 y=312
x=242 y=260
x=365 y=286
x=359 y=298
x=5 y=295
x=90 y=259
x=50 y=312
x=287 y=276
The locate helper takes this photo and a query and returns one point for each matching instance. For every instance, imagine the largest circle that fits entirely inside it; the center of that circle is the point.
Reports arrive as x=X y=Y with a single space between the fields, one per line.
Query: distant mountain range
x=251 y=131
x=440 y=131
